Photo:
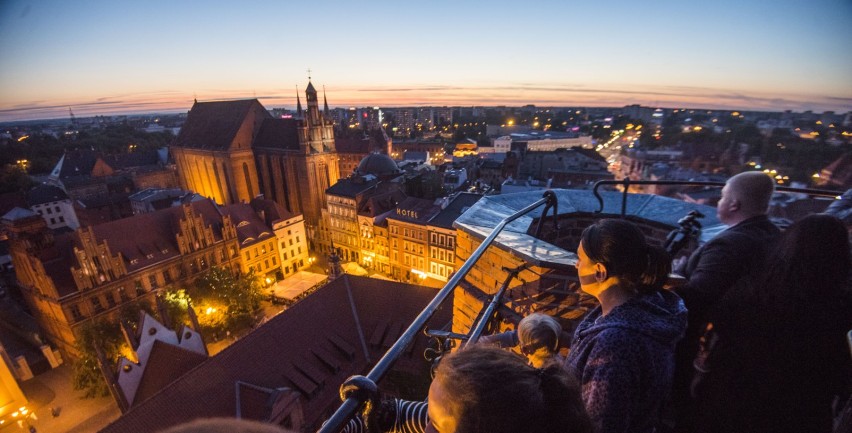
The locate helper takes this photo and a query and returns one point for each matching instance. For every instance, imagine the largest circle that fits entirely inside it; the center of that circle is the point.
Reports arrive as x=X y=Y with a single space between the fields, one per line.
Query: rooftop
x=309 y=349
x=517 y=237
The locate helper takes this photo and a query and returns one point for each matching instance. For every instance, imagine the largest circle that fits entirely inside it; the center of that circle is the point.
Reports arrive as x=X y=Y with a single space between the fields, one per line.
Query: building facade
x=72 y=279
x=234 y=151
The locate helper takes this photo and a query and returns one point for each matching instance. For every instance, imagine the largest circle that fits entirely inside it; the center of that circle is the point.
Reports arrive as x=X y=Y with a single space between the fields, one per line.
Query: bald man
x=716 y=266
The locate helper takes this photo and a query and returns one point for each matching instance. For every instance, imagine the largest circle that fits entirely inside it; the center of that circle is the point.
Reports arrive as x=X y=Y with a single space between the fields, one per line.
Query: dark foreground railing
x=349 y=406
x=627 y=182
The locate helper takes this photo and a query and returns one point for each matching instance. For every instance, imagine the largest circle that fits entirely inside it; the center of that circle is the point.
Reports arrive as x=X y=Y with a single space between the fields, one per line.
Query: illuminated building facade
x=233 y=151
x=72 y=279
x=357 y=202
x=409 y=239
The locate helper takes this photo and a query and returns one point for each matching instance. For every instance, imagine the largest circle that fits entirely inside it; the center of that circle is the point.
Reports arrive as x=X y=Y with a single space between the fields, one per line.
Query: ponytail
x=657 y=271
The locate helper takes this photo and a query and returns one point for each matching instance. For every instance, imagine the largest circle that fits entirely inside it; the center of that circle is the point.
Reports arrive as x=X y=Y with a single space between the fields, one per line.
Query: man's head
x=744 y=196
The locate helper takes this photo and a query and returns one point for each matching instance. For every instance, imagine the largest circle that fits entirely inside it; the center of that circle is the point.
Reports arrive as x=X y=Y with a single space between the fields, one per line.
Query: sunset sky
x=107 y=57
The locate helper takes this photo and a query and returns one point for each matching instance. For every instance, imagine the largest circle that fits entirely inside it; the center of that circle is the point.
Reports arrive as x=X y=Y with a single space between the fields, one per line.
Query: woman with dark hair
x=778 y=357
x=488 y=390
x=623 y=350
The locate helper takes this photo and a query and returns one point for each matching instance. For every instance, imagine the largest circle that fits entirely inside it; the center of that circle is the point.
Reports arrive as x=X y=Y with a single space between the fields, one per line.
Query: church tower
x=318 y=154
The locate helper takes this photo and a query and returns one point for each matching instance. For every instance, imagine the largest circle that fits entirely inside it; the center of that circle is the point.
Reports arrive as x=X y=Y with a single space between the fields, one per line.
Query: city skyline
x=124 y=58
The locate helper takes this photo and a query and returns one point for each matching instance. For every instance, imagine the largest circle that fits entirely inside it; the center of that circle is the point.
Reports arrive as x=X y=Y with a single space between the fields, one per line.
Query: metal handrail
x=497 y=299
x=626 y=182
x=349 y=406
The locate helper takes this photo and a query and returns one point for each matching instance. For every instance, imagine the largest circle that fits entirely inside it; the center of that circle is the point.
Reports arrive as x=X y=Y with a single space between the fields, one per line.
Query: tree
x=87 y=374
x=14 y=179
x=226 y=302
x=107 y=335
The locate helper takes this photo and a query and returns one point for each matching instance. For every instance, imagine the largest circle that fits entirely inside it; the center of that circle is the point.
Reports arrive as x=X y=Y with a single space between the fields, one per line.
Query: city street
x=75 y=414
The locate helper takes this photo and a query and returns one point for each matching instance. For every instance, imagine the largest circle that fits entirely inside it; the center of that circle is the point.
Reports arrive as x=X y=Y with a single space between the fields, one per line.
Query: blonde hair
x=539 y=330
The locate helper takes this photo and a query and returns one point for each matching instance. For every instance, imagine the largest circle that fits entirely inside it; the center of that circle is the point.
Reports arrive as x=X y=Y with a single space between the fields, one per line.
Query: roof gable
x=278 y=134
x=222 y=125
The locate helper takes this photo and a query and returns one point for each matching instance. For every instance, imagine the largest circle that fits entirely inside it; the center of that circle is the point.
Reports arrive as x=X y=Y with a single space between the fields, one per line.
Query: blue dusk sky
x=108 y=57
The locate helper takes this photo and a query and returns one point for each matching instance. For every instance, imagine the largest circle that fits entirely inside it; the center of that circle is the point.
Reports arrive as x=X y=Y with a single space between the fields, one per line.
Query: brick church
x=233 y=151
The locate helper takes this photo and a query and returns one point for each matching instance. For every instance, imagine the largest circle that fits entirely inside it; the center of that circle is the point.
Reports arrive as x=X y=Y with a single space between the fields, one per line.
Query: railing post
x=624 y=196
x=476 y=331
x=347 y=409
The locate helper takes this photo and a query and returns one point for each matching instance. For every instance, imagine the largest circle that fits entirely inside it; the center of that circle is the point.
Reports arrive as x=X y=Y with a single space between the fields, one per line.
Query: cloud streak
x=571 y=95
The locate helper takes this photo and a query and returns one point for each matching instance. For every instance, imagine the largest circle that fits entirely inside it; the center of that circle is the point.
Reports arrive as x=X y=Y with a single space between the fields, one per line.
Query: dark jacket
x=625 y=361
x=714 y=267
x=776 y=369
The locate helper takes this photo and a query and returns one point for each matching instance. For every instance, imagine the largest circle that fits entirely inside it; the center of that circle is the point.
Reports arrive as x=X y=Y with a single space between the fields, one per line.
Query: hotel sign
x=406 y=213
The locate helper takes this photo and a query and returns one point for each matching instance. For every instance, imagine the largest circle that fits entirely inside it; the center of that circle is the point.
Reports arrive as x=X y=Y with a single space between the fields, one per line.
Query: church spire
x=298 y=103
x=325 y=102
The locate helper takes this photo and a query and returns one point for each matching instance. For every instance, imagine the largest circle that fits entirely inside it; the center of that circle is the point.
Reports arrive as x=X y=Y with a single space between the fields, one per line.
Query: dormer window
x=134 y=261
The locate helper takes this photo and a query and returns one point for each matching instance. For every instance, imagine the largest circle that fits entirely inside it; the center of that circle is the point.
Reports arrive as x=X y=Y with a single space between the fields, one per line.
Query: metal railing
x=626 y=183
x=349 y=406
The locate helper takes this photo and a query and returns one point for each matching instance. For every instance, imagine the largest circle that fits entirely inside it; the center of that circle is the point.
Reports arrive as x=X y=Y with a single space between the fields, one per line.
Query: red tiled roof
x=272 y=210
x=255 y=229
x=135 y=238
x=214 y=125
x=423 y=209
x=360 y=145
x=315 y=337
x=166 y=363
x=279 y=134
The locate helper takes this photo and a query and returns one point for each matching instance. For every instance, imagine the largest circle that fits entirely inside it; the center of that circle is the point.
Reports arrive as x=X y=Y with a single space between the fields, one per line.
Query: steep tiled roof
x=78 y=163
x=423 y=209
x=359 y=145
x=386 y=198
x=351 y=187
x=45 y=194
x=214 y=125
x=136 y=238
x=279 y=134
x=272 y=210
x=153 y=233
x=250 y=228
x=312 y=347
x=166 y=363
x=449 y=214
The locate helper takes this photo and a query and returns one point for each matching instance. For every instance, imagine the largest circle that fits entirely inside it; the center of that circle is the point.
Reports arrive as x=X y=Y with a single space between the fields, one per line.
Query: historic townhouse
x=409 y=239
x=442 y=235
x=75 y=278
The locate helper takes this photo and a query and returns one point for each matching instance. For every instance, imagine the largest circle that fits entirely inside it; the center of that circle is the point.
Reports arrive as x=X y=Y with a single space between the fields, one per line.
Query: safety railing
x=626 y=183
x=349 y=406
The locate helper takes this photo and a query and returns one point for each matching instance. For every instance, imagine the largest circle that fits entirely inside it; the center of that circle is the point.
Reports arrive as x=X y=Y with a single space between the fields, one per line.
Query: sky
x=117 y=56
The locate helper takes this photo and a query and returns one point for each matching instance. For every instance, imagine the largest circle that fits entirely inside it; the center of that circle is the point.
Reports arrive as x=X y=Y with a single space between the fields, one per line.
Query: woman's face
x=441 y=419
x=586 y=270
